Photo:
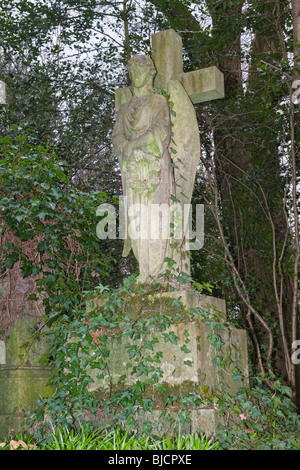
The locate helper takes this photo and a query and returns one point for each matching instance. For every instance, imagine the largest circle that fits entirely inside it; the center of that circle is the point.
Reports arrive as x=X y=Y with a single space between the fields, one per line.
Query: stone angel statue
x=158 y=160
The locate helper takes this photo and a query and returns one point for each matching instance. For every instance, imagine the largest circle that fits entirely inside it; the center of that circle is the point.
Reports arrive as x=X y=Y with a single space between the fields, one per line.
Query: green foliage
x=106 y=439
x=40 y=206
x=67 y=98
x=260 y=418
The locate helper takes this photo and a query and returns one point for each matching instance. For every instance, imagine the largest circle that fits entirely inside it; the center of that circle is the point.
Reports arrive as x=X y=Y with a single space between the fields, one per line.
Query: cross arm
x=203 y=84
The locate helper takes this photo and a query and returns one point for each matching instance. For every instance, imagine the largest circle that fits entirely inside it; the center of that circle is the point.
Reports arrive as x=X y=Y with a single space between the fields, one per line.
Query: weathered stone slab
x=201 y=420
x=190 y=363
x=19 y=388
x=151 y=303
x=22 y=349
x=194 y=300
x=192 y=359
x=23 y=378
x=203 y=85
x=207 y=356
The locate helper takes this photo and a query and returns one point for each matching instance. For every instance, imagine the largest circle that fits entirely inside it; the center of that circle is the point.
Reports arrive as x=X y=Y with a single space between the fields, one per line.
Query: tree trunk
x=250 y=184
x=296 y=34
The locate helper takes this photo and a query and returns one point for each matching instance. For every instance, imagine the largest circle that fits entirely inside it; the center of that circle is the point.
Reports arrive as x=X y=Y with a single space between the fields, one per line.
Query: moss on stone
x=23 y=379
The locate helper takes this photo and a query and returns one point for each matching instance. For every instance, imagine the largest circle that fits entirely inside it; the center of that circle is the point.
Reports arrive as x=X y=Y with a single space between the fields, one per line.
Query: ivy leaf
x=237 y=376
x=216 y=341
x=148 y=404
x=218 y=360
x=42 y=246
x=170 y=337
x=42 y=215
x=176 y=303
x=188 y=363
x=11 y=260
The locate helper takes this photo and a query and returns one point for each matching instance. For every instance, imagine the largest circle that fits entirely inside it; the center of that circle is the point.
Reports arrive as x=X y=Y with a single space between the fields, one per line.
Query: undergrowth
x=103 y=439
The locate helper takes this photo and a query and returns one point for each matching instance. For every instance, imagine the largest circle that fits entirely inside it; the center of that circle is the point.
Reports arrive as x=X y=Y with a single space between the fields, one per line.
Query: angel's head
x=141 y=71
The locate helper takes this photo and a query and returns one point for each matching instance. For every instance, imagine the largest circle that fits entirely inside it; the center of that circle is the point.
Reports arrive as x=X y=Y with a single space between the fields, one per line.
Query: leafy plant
x=49 y=225
x=63 y=438
x=40 y=203
x=260 y=418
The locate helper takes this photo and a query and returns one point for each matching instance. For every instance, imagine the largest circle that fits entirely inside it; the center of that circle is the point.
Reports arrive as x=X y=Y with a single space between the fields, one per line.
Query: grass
x=66 y=439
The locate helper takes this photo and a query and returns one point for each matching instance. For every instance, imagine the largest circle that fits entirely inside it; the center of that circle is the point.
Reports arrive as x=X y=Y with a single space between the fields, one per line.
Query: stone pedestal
x=195 y=354
x=203 y=420
x=23 y=378
x=190 y=364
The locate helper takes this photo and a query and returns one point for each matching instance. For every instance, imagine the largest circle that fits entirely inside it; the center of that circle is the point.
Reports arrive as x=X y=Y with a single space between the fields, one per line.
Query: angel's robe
x=147 y=180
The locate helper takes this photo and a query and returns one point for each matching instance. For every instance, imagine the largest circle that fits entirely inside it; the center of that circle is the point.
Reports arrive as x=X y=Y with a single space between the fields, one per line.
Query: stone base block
x=19 y=389
x=189 y=355
x=202 y=420
x=22 y=378
x=191 y=364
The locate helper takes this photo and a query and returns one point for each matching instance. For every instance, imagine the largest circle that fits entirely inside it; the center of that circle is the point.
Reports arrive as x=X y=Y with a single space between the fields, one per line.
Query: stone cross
x=166 y=50
x=2 y=93
x=134 y=126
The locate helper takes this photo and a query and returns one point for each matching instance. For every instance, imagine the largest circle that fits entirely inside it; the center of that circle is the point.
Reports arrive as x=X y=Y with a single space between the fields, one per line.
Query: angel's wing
x=184 y=146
